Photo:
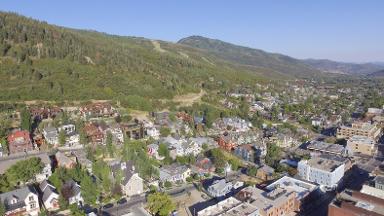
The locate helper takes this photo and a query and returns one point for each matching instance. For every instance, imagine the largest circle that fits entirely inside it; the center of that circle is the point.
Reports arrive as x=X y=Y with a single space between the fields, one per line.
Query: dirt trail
x=189 y=99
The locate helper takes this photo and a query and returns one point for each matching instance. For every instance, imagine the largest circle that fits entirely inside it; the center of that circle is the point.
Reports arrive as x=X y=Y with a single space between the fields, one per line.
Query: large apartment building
x=367 y=129
x=280 y=201
x=323 y=171
x=362 y=144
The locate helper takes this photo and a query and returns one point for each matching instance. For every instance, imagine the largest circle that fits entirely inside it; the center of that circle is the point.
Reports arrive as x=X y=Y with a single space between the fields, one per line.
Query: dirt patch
x=189 y=99
x=157 y=46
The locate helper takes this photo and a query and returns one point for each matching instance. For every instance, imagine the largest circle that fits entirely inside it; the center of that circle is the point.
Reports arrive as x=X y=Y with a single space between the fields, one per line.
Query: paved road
x=118 y=210
x=125 y=208
x=37 y=153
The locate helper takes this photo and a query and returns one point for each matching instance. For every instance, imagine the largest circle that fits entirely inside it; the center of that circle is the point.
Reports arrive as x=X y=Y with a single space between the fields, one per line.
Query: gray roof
x=7 y=163
x=20 y=194
x=73 y=186
x=47 y=189
x=379 y=179
x=127 y=169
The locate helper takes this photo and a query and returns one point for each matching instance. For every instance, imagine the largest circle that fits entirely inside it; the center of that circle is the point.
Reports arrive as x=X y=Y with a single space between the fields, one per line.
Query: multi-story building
x=230 y=207
x=23 y=201
x=354 y=203
x=323 y=171
x=362 y=144
x=280 y=201
x=328 y=148
x=305 y=191
x=367 y=129
x=19 y=141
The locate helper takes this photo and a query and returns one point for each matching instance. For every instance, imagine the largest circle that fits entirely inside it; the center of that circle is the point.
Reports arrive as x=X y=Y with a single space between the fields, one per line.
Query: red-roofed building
x=19 y=141
x=94 y=133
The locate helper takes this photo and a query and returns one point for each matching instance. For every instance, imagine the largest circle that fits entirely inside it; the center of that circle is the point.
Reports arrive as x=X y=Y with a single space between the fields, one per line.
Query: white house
x=73 y=192
x=174 y=173
x=50 y=196
x=68 y=128
x=51 y=135
x=323 y=171
x=220 y=188
x=131 y=183
x=23 y=201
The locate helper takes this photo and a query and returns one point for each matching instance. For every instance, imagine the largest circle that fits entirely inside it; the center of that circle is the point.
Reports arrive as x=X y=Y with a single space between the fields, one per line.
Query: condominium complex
x=323 y=171
x=372 y=131
x=362 y=144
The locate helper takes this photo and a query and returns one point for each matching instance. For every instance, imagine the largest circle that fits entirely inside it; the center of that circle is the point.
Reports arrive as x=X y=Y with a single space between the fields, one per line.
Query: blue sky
x=344 y=30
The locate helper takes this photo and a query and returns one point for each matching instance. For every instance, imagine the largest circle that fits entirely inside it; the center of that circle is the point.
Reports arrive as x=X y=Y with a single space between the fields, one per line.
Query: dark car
x=107 y=206
x=122 y=201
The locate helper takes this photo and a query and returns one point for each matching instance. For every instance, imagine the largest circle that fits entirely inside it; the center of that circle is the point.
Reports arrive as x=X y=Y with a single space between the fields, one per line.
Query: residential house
x=220 y=188
x=265 y=173
x=19 y=141
x=22 y=201
x=226 y=142
x=131 y=183
x=161 y=118
x=49 y=196
x=203 y=166
x=71 y=191
x=246 y=152
x=51 y=135
x=94 y=133
x=64 y=161
x=324 y=171
x=174 y=173
x=151 y=130
x=96 y=110
x=68 y=128
x=81 y=158
x=232 y=124
x=134 y=129
x=40 y=113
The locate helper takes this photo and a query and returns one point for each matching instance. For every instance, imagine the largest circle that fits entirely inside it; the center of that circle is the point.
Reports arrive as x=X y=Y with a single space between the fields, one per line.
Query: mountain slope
x=377 y=74
x=343 y=68
x=249 y=57
x=42 y=61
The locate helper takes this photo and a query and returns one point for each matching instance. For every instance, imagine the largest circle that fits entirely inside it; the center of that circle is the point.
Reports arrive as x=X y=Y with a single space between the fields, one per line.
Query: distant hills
x=377 y=74
x=343 y=68
x=250 y=57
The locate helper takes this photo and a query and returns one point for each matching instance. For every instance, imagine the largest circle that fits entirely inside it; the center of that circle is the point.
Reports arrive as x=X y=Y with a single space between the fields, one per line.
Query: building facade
x=322 y=171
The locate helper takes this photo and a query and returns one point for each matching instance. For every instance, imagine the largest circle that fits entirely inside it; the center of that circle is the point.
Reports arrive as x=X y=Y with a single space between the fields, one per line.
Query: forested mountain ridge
x=249 y=56
x=47 y=62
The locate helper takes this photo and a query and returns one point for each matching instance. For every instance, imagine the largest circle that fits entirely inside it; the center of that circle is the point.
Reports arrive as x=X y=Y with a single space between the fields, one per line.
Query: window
x=31 y=198
x=33 y=205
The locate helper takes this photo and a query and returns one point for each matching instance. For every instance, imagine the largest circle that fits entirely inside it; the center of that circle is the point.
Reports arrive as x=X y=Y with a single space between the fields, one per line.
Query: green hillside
x=251 y=57
x=47 y=62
